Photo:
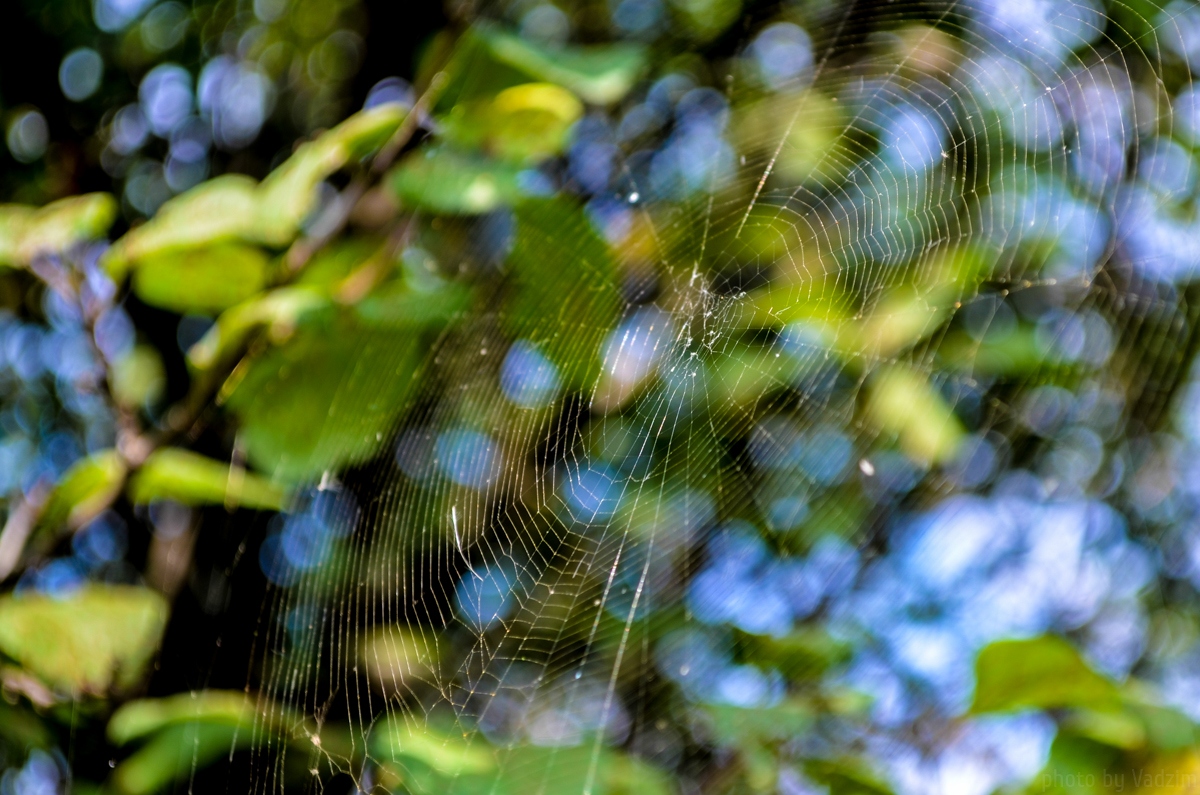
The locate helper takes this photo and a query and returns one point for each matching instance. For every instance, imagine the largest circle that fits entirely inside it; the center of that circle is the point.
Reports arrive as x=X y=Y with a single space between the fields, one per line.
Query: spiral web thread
x=590 y=553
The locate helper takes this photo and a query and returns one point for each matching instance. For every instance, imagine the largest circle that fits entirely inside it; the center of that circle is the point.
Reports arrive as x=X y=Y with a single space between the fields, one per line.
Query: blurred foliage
x=646 y=397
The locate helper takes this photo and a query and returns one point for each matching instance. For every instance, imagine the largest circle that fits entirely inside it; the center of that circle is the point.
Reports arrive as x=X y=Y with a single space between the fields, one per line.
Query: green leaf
x=903 y=402
x=1039 y=673
x=138 y=378
x=13 y=218
x=565 y=297
x=26 y=232
x=397 y=657
x=903 y=318
x=525 y=123
x=188 y=731
x=221 y=210
x=846 y=776
x=84 y=490
x=279 y=310
x=446 y=752
x=146 y=716
x=397 y=306
x=22 y=728
x=801 y=654
x=177 y=752
x=736 y=725
x=206 y=279
x=706 y=19
x=570 y=770
x=600 y=74
x=325 y=399
x=97 y=639
x=1117 y=727
x=1016 y=352
x=233 y=208
x=289 y=194
x=192 y=479
x=444 y=180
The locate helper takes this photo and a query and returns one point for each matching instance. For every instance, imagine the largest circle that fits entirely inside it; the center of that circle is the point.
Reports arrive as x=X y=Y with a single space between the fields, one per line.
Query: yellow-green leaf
x=600 y=74
x=146 y=716
x=177 y=752
x=901 y=401
x=98 y=639
x=279 y=310
x=193 y=479
x=523 y=123
x=206 y=279
x=219 y=210
x=289 y=194
x=84 y=490
x=1038 y=673
x=397 y=658
x=443 y=180
x=448 y=753
x=26 y=232
x=138 y=378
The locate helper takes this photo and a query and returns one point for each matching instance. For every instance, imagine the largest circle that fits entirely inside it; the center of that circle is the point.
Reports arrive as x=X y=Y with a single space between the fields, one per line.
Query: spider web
x=938 y=180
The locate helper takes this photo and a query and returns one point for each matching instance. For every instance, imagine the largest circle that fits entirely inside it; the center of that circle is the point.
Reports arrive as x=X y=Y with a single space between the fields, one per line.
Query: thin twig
x=21 y=521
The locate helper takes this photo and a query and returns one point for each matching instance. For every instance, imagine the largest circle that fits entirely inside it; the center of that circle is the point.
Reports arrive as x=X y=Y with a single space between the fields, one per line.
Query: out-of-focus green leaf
x=1113 y=726
x=1014 y=353
x=146 y=716
x=429 y=760
x=339 y=259
x=187 y=731
x=13 y=218
x=220 y=210
x=809 y=123
x=97 y=639
x=903 y=402
x=523 y=123
x=1039 y=673
x=846 y=777
x=802 y=654
x=817 y=304
x=736 y=725
x=1167 y=729
x=396 y=657
x=26 y=232
x=205 y=279
x=745 y=373
x=177 y=752
x=279 y=310
x=288 y=195
x=565 y=296
x=233 y=208
x=573 y=769
x=449 y=753
x=444 y=180
x=628 y=775
x=902 y=319
x=1133 y=725
x=60 y=224
x=84 y=490
x=397 y=306
x=22 y=728
x=706 y=19
x=325 y=399
x=138 y=378
x=192 y=479
x=599 y=74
